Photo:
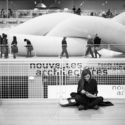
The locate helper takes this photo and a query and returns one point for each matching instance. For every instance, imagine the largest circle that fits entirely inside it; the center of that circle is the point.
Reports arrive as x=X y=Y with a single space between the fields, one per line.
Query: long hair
x=84 y=73
x=82 y=80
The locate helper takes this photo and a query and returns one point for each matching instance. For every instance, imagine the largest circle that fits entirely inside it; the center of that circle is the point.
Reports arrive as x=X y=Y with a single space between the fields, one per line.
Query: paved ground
x=48 y=112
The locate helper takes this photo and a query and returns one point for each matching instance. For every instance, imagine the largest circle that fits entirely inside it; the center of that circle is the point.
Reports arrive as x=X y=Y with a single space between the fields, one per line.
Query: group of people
x=107 y=14
x=76 y=11
x=4 y=47
x=93 y=46
x=6 y=14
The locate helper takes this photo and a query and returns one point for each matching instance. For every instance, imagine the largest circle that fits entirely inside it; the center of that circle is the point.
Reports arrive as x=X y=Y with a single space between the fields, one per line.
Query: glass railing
x=105 y=50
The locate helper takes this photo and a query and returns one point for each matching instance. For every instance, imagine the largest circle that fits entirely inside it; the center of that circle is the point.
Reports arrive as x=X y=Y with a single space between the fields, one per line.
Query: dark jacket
x=64 y=43
x=90 y=86
x=97 y=41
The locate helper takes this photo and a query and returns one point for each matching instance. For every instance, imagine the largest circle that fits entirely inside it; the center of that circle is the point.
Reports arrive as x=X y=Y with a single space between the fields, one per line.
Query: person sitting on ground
x=86 y=96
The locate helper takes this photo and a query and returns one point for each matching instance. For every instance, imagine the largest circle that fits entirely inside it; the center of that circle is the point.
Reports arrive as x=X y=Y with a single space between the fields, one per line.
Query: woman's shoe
x=81 y=107
x=96 y=107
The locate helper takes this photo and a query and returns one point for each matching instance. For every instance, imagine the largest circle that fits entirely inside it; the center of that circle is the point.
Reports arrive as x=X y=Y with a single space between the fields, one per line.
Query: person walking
x=64 y=48
x=97 y=42
x=1 y=44
x=89 y=46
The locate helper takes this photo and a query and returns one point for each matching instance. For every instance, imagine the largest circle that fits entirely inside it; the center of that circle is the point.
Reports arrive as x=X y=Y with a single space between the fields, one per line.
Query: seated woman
x=86 y=96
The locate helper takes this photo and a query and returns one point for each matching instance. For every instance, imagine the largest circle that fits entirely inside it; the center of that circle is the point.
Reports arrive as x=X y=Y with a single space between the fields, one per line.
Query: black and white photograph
x=62 y=62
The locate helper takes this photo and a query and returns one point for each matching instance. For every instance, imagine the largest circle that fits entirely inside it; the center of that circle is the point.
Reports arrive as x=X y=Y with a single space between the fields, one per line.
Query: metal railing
x=47 y=78
x=105 y=50
x=20 y=16
x=34 y=13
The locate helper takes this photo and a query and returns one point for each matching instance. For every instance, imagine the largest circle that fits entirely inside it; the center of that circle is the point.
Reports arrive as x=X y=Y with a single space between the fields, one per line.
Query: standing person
x=5 y=48
x=2 y=13
x=10 y=13
x=1 y=46
x=109 y=14
x=78 y=11
x=64 y=48
x=14 y=48
x=29 y=47
x=86 y=97
x=89 y=46
x=74 y=9
x=97 y=42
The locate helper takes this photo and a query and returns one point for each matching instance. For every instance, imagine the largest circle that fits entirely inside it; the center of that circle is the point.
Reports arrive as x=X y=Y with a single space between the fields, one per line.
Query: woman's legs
x=81 y=101
x=95 y=101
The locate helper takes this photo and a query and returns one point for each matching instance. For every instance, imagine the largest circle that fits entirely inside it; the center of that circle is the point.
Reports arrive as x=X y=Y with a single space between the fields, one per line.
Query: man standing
x=97 y=42
x=1 y=46
x=5 y=47
x=89 y=47
x=64 y=48
x=29 y=47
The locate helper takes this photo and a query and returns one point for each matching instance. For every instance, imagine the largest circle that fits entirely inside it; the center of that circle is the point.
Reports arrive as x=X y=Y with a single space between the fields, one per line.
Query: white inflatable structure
x=120 y=18
x=46 y=33
x=41 y=25
x=111 y=32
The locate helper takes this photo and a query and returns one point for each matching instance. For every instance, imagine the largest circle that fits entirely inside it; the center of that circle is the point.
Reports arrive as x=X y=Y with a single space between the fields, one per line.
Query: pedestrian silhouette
x=64 y=48
x=97 y=42
x=89 y=46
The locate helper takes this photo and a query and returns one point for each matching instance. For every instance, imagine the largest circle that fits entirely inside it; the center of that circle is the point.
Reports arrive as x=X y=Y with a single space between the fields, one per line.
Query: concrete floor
x=48 y=112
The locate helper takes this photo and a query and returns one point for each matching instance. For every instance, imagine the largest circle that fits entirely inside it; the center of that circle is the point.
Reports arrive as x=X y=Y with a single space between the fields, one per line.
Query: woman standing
x=14 y=48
